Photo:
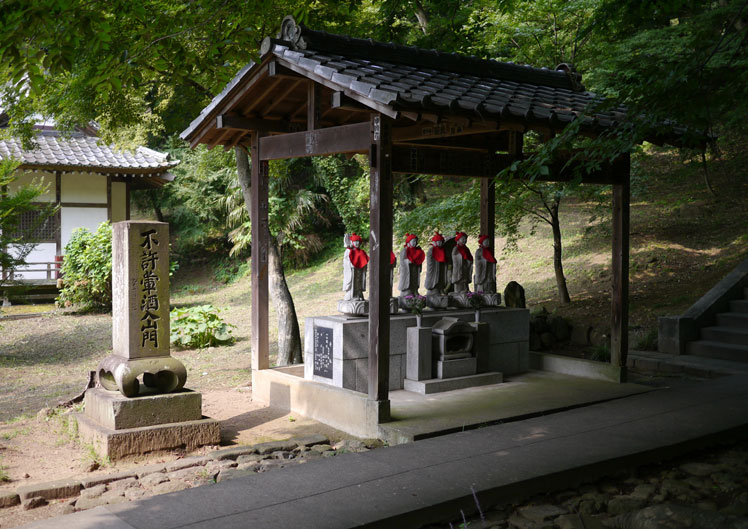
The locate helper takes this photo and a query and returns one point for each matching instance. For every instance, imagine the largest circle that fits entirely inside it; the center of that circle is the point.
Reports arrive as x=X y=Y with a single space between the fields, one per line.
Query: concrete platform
x=417 y=417
x=440 y=385
x=415 y=484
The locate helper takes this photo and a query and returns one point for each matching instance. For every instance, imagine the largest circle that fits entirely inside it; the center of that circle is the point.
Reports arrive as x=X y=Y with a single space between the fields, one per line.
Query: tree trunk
x=558 y=266
x=157 y=209
x=289 y=338
x=422 y=16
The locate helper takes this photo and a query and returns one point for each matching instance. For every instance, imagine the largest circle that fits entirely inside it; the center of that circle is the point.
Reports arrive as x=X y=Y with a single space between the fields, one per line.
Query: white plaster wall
x=83 y=187
x=119 y=201
x=44 y=178
x=42 y=253
x=73 y=218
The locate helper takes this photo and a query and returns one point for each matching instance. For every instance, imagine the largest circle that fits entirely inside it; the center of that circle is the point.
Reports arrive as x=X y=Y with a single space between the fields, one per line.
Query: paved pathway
x=414 y=484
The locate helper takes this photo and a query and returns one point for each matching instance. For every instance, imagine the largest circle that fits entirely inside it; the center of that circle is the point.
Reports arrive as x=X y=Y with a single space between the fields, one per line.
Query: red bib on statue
x=488 y=255
x=438 y=253
x=358 y=257
x=414 y=255
x=464 y=252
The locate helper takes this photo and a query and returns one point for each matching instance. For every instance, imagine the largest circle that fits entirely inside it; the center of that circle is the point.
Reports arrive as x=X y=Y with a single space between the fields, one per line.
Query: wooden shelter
x=412 y=111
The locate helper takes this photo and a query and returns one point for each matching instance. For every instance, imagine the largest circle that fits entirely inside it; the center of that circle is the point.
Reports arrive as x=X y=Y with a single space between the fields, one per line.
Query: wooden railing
x=53 y=269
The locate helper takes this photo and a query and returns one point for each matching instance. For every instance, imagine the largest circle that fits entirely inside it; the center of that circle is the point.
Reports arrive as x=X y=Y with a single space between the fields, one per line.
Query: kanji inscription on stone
x=323 y=342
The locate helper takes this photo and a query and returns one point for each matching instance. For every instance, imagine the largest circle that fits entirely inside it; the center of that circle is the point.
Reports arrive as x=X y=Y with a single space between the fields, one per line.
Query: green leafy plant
x=648 y=342
x=87 y=269
x=3 y=474
x=198 y=327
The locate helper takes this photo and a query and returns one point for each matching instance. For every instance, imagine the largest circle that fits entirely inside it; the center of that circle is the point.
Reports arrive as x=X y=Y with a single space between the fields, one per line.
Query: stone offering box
x=336 y=347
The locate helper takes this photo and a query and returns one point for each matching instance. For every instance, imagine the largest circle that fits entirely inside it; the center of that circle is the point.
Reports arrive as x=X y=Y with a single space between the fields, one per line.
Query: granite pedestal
x=118 y=426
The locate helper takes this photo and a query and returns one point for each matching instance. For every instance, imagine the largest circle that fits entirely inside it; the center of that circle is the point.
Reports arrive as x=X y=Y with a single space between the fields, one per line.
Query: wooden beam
x=58 y=201
x=609 y=173
x=219 y=138
x=488 y=208
x=261 y=96
x=231 y=122
x=260 y=238
x=109 y=198
x=619 y=342
x=313 y=105
x=443 y=129
x=341 y=101
x=127 y=200
x=280 y=71
x=240 y=93
x=380 y=241
x=446 y=162
x=343 y=139
x=267 y=109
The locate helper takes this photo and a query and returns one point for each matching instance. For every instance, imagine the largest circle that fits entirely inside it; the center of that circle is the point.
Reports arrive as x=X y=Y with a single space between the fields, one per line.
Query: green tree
x=18 y=236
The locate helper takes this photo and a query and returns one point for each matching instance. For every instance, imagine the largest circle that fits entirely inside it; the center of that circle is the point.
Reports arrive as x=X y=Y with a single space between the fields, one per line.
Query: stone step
x=725 y=335
x=724 y=351
x=745 y=293
x=732 y=319
x=739 y=305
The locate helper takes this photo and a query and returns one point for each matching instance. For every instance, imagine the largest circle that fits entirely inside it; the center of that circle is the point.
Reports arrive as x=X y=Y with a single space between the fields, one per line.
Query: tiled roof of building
x=82 y=151
x=402 y=78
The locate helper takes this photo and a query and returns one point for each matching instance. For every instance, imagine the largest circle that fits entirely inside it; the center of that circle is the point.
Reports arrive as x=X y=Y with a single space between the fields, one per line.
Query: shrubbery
x=197 y=327
x=87 y=269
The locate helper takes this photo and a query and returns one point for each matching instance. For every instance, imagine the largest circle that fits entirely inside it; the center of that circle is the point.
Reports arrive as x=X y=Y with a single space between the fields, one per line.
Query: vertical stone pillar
x=140 y=312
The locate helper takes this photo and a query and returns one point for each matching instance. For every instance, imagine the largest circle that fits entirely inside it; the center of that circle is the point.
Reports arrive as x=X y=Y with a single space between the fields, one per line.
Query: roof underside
x=434 y=98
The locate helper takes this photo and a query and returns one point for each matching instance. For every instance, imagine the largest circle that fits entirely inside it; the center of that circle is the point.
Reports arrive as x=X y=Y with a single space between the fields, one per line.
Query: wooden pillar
x=260 y=236
x=313 y=106
x=488 y=208
x=380 y=244
x=619 y=342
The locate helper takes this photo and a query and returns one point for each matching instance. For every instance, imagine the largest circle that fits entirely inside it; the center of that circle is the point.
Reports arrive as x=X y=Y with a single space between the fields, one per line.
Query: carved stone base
x=394 y=308
x=163 y=374
x=459 y=299
x=353 y=307
x=491 y=299
x=437 y=301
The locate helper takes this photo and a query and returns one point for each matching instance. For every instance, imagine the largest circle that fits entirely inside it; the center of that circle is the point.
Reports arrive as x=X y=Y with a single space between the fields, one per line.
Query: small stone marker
x=140 y=312
x=323 y=342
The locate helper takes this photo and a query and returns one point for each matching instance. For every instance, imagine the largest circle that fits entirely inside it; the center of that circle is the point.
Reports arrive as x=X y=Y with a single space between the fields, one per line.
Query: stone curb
x=68 y=488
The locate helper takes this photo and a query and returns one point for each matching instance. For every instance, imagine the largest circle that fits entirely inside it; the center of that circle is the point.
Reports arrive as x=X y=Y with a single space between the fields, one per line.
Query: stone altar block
x=124 y=416
x=336 y=348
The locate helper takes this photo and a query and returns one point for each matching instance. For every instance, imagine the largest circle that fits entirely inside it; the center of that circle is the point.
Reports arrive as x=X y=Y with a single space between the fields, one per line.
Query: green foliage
x=347 y=182
x=648 y=342
x=297 y=214
x=16 y=243
x=600 y=353
x=198 y=327
x=87 y=269
x=230 y=270
x=4 y=477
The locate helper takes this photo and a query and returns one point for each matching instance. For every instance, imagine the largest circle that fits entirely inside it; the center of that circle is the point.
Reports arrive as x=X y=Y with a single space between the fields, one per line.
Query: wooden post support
x=488 y=208
x=380 y=244
x=313 y=106
x=619 y=342
x=260 y=236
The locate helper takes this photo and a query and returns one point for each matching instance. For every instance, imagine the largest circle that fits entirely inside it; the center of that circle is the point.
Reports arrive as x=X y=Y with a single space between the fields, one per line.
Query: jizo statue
x=411 y=259
x=436 y=267
x=462 y=264
x=485 y=267
x=355 y=262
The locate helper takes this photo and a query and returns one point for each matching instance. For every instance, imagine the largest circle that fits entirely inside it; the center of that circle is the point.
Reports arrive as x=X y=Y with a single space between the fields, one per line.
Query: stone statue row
x=449 y=272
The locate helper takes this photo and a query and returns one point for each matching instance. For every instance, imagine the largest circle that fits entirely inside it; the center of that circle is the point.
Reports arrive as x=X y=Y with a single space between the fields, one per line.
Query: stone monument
x=411 y=260
x=355 y=263
x=127 y=417
x=462 y=271
x=436 y=274
x=393 y=300
x=485 y=273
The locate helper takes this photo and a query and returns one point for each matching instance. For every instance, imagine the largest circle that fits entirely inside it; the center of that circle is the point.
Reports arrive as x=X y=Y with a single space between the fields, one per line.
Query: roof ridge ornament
x=290 y=31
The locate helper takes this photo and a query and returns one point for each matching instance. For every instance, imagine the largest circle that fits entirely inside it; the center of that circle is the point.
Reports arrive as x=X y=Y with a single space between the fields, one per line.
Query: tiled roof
x=402 y=78
x=84 y=152
x=408 y=78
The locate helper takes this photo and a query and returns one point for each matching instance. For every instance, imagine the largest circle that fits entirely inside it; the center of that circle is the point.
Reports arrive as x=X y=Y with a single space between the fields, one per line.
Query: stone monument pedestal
x=353 y=307
x=118 y=426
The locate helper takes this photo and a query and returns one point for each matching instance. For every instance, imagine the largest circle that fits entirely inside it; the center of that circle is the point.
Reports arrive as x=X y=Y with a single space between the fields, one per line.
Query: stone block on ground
x=541 y=513
x=170 y=486
x=579 y=521
x=233 y=452
x=51 y=490
x=233 y=473
x=95 y=480
x=9 y=499
x=33 y=503
x=310 y=440
x=250 y=458
x=116 y=444
x=151 y=480
x=115 y=411
x=349 y=445
x=186 y=462
x=274 y=446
